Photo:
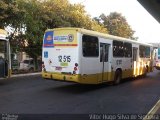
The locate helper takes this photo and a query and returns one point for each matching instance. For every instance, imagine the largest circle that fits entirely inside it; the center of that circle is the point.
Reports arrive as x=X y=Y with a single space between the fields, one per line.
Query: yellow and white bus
x=5 y=60
x=89 y=57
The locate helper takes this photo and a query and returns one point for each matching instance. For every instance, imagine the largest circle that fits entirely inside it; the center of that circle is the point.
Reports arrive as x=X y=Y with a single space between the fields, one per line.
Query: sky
x=146 y=28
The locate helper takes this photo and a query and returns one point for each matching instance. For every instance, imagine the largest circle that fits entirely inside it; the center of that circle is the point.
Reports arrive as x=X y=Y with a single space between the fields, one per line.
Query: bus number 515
x=64 y=58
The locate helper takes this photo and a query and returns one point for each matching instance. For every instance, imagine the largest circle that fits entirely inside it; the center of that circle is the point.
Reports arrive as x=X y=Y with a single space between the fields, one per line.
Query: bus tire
x=117 y=77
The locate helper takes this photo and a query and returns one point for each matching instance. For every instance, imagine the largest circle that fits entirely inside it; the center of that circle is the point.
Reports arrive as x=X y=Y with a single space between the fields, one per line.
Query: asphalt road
x=34 y=95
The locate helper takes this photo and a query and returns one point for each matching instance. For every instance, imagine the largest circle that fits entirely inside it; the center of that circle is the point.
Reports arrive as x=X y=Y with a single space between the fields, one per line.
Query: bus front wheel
x=117 y=77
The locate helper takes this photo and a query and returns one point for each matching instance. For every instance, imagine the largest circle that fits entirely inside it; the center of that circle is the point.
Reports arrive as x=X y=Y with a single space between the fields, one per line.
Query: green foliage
x=30 y=18
x=68 y=15
x=10 y=14
x=116 y=24
x=41 y=15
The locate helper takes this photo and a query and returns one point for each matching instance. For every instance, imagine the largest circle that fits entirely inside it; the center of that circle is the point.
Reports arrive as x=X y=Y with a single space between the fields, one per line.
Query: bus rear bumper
x=61 y=77
x=77 y=78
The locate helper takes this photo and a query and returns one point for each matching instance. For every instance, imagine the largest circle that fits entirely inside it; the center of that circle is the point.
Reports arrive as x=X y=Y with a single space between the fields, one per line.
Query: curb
x=27 y=74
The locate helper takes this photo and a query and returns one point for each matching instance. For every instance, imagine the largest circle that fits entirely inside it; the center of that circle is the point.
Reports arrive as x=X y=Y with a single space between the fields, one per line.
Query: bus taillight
x=76 y=64
x=75 y=68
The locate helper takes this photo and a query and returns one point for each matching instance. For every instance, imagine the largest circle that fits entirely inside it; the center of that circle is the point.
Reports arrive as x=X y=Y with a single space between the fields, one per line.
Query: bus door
x=104 y=60
x=135 y=63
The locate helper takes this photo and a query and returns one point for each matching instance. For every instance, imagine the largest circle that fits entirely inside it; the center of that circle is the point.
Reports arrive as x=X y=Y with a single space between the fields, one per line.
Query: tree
x=41 y=15
x=29 y=19
x=68 y=15
x=30 y=39
x=10 y=14
x=116 y=24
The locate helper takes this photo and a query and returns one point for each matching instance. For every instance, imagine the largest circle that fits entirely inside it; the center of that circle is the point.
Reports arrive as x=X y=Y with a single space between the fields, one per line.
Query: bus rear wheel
x=117 y=77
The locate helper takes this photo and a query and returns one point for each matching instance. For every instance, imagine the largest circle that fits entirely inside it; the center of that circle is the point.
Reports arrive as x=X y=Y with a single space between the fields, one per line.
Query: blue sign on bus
x=48 y=39
x=45 y=54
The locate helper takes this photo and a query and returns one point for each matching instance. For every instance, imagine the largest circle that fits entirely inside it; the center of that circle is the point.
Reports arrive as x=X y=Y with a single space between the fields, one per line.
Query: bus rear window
x=90 y=46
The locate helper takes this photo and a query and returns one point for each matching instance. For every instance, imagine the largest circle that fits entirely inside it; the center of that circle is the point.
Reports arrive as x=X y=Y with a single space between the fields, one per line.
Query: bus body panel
x=60 y=56
x=141 y=65
x=61 y=60
x=124 y=64
x=92 y=69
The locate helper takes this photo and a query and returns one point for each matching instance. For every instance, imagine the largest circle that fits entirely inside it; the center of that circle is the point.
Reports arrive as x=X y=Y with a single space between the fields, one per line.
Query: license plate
x=59 y=68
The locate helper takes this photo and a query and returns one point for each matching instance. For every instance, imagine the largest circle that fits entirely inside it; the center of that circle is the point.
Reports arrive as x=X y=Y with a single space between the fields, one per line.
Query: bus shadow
x=138 y=78
x=78 y=88
x=75 y=88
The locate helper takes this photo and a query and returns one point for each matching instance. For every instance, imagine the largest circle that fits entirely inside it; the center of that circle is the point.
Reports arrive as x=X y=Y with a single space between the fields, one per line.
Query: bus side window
x=118 y=49
x=147 y=52
x=127 y=50
x=144 y=51
x=106 y=53
x=90 y=46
